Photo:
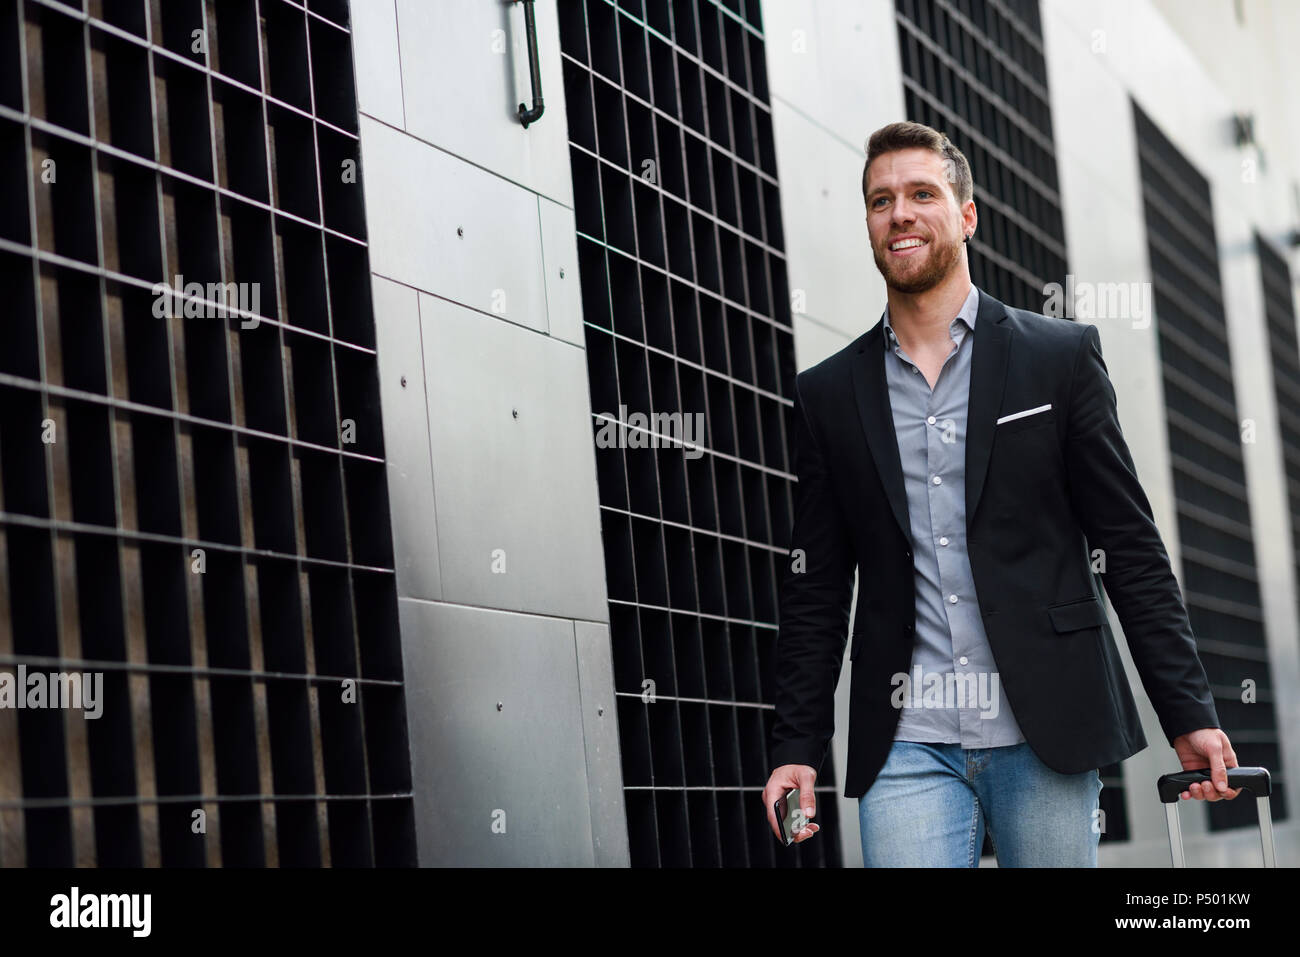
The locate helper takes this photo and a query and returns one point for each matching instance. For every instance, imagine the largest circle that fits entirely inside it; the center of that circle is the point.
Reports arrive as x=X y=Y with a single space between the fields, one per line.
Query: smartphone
x=789 y=814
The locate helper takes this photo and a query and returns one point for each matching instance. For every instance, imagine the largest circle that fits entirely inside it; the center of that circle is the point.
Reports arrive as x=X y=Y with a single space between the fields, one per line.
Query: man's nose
x=902 y=213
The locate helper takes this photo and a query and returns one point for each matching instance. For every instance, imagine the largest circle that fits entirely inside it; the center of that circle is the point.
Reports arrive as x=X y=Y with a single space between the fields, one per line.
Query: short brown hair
x=907 y=135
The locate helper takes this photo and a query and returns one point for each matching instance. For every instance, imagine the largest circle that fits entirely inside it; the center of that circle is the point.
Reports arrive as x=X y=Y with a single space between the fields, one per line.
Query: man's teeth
x=907 y=244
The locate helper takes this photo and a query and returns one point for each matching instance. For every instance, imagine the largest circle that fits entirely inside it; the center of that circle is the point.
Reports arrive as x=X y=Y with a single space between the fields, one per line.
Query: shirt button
x=943 y=540
x=931 y=420
x=961 y=660
x=916 y=370
x=952 y=599
x=937 y=480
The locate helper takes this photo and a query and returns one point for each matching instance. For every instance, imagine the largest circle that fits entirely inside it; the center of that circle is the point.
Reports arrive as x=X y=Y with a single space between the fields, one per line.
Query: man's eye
x=878 y=201
x=923 y=192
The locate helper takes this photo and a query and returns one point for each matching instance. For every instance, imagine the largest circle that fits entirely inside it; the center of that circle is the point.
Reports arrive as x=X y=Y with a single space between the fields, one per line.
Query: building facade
x=418 y=478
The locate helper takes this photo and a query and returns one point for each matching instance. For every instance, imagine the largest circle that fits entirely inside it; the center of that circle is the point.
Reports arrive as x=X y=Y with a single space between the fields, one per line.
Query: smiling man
x=966 y=458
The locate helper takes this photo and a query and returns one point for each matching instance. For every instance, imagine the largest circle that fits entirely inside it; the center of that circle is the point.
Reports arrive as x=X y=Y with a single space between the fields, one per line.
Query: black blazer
x=1042 y=492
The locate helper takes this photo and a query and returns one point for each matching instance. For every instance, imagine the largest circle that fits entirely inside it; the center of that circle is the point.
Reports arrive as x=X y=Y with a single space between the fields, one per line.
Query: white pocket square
x=1021 y=415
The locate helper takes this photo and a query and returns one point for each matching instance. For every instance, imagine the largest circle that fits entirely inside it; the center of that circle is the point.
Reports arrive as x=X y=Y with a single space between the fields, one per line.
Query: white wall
x=488 y=436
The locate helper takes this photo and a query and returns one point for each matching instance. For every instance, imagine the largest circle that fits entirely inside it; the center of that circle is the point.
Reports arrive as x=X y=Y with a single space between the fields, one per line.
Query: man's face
x=911 y=202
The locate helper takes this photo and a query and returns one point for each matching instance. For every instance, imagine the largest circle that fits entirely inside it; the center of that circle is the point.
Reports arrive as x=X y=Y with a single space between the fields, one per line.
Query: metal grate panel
x=1280 y=314
x=686 y=310
x=207 y=522
x=1220 y=583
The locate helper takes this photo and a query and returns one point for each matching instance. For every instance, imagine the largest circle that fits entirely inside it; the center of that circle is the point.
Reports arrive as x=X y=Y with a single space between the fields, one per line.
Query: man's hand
x=1208 y=746
x=784 y=778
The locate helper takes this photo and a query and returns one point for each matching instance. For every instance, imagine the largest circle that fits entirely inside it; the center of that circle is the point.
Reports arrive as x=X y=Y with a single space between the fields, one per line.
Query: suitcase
x=1255 y=780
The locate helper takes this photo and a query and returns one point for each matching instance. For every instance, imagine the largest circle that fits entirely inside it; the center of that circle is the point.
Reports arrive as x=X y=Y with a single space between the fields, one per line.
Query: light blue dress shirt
x=952 y=694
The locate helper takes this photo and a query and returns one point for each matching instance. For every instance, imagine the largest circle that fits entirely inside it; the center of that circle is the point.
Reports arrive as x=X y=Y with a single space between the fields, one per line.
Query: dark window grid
x=1171 y=185
x=969 y=128
x=1002 y=46
x=140 y=668
x=1239 y=620
x=763 y=183
x=238 y=431
x=36 y=267
x=1185 y=347
x=1206 y=528
x=1177 y=226
x=739 y=17
x=1287 y=381
x=1175 y=208
x=317 y=17
x=661 y=114
x=747 y=389
x=668 y=275
x=329 y=682
x=696 y=291
x=1185 y=246
x=970 y=101
x=1219 y=446
x=53 y=259
x=746 y=251
x=133 y=161
x=1191 y=333
x=1012 y=266
x=1028 y=29
x=340 y=414
x=1178 y=201
x=156 y=51
x=691 y=54
x=1232 y=488
x=712 y=534
x=705 y=68
x=1171 y=282
x=131 y=280
x=1032 y=231
x=1279 y=308
x=773 y=473
x=1020 y=118
x=1199 y=401
x=653 y=577
x=1258 y=653
x=759 y=127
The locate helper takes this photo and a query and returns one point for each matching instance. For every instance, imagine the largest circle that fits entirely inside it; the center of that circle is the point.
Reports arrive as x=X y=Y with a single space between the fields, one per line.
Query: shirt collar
x=967 y=313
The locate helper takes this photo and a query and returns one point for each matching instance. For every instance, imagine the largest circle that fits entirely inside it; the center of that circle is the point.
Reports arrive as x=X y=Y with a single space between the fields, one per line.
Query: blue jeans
x=928 y=808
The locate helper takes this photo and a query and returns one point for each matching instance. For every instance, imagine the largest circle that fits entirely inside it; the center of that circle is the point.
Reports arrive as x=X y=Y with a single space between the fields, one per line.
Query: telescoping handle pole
x=1255 y=780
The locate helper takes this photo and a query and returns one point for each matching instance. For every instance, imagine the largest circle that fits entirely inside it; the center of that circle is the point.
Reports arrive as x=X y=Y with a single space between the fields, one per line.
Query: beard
x=903 y=277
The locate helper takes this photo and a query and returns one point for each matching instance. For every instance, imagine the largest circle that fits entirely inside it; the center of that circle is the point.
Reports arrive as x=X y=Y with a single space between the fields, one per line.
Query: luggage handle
x=1255 y=780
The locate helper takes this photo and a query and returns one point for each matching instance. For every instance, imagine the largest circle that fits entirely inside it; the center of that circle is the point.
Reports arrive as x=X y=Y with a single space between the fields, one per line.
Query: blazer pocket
x=1078 y=614
x=1024 y=413
x=1025 y=422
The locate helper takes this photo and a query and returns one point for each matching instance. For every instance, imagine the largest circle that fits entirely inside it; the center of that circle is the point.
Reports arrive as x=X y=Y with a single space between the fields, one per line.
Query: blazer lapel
x=871 y=389
x=991 y=341
x=988 y=376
